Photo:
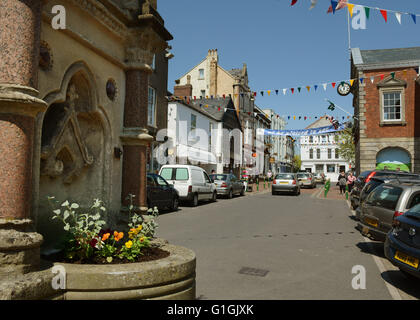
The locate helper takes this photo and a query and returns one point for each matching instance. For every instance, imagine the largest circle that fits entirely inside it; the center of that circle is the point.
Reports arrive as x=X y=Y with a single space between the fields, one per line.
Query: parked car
x=306 y=179
x=402 y=244
x=192 y=183
x=285 y=182
x=161 y=194
x=366 y=176
x=228 y=185
x=319 y=178
x=385 y=202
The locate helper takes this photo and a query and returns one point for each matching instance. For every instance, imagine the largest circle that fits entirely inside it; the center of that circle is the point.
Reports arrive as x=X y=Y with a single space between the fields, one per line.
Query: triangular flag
x=384 y=14
x=333 y=84
x=333 y=5
x=308 y=87
x=224 y=96
x=299 y=88
x=351 y=82
x=268 y=91
x=393 y=75
x=361 y=80
x=367 y=12
x=315 y=87
x=255 y=94
x=398 y=16
x=325 y=86
x=313 y=4
x=382 y=76
x=277 y=92
x=284 y=91
x=293 y=90
x=294 y=2
x=350 y=7
x=262 y=93
x=372 y=79
x=414 y=18
x=294 y=117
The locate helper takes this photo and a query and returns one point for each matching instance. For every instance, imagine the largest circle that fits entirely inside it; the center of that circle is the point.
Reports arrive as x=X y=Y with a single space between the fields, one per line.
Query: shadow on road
x=397 y=279
x=375 y=248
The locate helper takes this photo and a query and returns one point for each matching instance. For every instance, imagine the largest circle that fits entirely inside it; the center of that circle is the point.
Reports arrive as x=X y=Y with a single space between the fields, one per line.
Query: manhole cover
x=253 y=272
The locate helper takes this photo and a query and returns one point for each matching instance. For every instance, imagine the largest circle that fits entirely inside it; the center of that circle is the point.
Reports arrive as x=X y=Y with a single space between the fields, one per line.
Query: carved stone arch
x=75 y=154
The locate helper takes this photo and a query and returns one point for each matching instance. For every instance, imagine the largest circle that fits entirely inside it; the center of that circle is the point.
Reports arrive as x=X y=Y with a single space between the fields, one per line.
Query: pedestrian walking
x=350 y=181
x=342 y=182
x=269 y=175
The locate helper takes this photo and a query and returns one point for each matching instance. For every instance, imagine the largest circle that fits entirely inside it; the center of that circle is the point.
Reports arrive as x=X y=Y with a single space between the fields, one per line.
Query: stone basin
x=170 y=278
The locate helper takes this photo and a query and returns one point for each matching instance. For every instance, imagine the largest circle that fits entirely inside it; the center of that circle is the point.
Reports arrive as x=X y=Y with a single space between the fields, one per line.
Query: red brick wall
x=373 y=129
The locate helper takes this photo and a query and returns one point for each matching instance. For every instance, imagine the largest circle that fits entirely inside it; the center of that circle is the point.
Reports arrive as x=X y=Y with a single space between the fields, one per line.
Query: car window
x=301 y=175
x=181 y=174
x=150 y=181
x=385 y=196
x=284 y=176
x=206 y=178
x=161 y=181
x=221 y=177
x=166 y=173
x=372 y=184
x=415 y=200
x=414 y=212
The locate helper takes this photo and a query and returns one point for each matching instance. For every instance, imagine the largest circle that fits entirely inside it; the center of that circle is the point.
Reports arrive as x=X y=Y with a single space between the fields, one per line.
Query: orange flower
x=105 y=236
x=118 y=236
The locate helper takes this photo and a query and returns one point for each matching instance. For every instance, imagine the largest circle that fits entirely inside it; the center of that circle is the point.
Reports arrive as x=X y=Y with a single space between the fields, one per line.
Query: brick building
x=386 y=108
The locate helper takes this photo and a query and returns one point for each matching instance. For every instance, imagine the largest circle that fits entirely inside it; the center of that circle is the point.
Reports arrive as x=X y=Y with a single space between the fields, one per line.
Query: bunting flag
x=313 y=4
x=350 y=7
x=325 y=85
x=384 y=14
x=414 y=17
x=367 y=12
x=398 y=16
x=294 y=2
x=337 y=6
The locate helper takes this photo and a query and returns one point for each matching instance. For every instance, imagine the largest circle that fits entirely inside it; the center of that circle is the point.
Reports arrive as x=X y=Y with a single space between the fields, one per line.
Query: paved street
x=298 y=248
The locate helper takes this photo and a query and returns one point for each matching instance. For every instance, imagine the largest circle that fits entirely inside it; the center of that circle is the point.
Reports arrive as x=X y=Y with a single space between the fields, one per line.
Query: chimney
x=183 y=90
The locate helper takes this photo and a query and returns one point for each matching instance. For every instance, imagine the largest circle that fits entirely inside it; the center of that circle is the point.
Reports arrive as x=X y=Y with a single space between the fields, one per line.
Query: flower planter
x=169 y=278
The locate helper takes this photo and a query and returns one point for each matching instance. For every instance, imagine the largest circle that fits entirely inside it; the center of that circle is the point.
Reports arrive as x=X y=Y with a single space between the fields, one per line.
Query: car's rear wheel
x=273 y=193
x=194 y=202
x=230 y=195
x=175 y=204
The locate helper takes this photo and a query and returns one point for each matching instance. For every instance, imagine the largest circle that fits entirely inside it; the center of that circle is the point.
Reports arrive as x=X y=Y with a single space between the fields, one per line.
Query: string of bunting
x=300 y=89
x=340 y=4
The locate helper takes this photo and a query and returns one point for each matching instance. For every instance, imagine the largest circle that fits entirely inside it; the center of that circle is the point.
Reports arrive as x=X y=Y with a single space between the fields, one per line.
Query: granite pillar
x=20 y=24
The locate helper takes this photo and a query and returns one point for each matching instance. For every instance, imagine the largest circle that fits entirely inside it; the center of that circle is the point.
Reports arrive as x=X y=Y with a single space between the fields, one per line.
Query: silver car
x=285 y=182
x=228 y=185
x=306 y=179
x=384 y=203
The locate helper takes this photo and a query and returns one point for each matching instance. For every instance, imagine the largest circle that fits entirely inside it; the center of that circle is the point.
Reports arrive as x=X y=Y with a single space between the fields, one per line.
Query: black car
x=402 y=244
x=160 y=193
x=366 y=176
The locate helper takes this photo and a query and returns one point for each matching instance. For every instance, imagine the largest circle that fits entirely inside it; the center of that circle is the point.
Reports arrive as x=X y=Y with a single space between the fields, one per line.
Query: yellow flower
x=129 y=244
x=141 y=239
x=139 y=228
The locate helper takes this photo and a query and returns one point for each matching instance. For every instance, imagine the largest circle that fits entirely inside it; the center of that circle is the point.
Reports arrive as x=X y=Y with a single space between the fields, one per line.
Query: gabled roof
x=213 y=108
x=321 y=122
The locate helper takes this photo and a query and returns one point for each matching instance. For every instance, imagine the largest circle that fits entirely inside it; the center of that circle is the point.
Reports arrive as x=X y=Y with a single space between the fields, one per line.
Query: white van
x=192 y=183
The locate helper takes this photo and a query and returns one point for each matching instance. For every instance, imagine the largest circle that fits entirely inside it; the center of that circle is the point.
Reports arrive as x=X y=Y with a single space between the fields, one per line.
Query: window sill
x=392 y=123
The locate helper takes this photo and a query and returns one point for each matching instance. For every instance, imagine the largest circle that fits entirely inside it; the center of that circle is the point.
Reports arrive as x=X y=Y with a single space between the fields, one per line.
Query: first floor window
x=319 y=168
x=151 y=107
x=392 y=105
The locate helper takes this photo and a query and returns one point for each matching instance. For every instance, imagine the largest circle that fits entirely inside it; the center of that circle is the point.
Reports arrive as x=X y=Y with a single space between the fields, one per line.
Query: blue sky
x=283 y=46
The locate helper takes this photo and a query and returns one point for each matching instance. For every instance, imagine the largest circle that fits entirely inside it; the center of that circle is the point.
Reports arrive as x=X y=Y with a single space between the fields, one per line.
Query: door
x=207 y=186
x=153 y=193
x=165 y=190
x=236 y=184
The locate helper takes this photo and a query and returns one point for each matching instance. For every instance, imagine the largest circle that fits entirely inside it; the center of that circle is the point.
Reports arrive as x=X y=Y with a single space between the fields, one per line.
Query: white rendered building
x=319 y=153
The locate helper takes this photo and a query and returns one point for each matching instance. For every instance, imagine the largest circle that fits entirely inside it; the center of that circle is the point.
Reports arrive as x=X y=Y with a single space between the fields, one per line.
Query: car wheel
x=175 y=204
x=230 y=195
x=195 y=200
x=273 y=193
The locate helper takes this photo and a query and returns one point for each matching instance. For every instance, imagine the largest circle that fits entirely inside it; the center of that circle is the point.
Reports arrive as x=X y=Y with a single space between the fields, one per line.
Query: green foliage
x=346 y=145
x=296 y=163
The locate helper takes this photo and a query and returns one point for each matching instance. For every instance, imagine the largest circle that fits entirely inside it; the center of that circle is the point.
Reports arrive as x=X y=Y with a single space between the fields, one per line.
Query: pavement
x=284 y=247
